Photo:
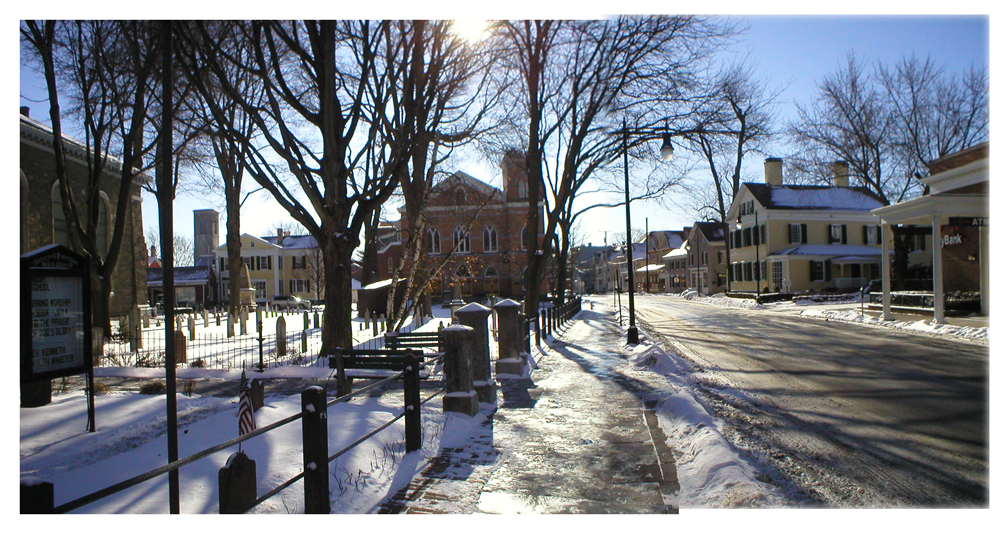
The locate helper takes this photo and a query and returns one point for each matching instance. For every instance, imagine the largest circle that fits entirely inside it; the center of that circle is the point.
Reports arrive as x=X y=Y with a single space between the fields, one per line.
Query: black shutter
x=843 y=231
x=828 y=270
x=811 y=269
x=864 y=232
x=804 y=233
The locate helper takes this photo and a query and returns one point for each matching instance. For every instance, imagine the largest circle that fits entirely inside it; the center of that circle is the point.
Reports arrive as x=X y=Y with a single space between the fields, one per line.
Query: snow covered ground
x=131 y=438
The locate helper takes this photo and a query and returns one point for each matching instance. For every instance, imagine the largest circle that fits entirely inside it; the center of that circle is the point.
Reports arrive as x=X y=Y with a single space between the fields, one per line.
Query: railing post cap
x=473 y=308
x=457 y=328
x=506 y=303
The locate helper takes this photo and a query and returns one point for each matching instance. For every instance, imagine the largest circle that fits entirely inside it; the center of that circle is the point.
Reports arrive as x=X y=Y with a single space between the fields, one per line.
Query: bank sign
x=55 y=314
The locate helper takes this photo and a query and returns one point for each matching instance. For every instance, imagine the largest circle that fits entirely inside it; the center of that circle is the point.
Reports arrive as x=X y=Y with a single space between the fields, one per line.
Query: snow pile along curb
x=711 y=474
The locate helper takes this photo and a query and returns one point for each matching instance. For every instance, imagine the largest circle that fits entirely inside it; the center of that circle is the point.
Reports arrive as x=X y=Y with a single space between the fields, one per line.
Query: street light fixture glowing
x=666 y=147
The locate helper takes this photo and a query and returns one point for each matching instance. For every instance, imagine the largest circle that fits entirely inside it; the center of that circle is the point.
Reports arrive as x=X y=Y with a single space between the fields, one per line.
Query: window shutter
x=864 y=232
x=804 y=233
x=828 y=270
x=811 y=269
x=843 y=231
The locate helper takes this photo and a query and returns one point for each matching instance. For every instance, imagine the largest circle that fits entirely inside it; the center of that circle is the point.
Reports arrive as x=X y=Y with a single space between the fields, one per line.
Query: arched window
x=460 y=240
x=464 y=280
x=433 y=241
x=59 y=223
x=489 y=239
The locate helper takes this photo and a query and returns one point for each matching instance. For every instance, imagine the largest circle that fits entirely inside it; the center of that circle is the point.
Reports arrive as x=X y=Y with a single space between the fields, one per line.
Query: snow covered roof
x=712 y=231
x=651 y=267
x=817 y=197
x=183 y=275
x=677 y=253
x=293 y=241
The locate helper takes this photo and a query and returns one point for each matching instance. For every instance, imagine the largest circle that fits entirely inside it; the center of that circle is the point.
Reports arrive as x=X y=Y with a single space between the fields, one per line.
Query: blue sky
x=790 y=51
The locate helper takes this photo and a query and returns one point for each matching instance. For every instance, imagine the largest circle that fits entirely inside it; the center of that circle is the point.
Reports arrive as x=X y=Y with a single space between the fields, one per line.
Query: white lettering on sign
x=951 y=240
x=57 y=318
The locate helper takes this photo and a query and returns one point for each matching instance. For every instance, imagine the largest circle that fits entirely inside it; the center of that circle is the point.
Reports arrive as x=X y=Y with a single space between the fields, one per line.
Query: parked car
x=290 y=302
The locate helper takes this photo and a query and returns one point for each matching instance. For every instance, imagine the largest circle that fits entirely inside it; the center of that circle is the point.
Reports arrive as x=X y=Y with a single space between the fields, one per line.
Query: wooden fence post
x=411 y=394
x=315 y=438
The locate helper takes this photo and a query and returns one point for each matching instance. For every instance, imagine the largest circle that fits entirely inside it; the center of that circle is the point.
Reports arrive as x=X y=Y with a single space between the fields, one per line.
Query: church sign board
x=55 y=314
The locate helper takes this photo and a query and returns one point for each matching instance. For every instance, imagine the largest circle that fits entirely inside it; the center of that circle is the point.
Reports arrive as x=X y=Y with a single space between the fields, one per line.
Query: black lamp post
x=666 y=154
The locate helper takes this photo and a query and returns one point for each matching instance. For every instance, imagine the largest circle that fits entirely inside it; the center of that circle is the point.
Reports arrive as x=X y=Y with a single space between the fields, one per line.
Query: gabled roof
x=835 y=249
x=814 y=197
x=712 y=231
x=463 y=179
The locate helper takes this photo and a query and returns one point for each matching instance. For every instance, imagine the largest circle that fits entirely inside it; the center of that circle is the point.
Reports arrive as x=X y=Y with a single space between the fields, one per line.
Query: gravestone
x=281 y=336
x=237 y=484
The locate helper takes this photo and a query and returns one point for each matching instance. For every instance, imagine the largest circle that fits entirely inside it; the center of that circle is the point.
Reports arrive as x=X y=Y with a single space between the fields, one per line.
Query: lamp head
x=666 y=147
x=738 y=222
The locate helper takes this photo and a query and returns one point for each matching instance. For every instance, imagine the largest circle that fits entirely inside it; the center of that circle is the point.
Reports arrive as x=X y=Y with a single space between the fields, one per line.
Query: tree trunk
x=233 y=240
x=337 y=331
x=101 y=291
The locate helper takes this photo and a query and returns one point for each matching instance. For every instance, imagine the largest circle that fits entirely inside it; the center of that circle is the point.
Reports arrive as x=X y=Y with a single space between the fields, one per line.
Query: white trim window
x=490 y=239
x=433 y=241
x=837 y=233
x=298 y=286
x=260 y=289
x=460 y=240
x=872 y=236
x=817 y=270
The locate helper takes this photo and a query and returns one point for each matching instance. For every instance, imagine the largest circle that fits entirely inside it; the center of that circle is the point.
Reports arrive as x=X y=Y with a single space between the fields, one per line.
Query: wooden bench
x=412 y=340
x=376 y=363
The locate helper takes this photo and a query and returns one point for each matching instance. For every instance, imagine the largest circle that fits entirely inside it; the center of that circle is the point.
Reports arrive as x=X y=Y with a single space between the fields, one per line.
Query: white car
x=290 y=302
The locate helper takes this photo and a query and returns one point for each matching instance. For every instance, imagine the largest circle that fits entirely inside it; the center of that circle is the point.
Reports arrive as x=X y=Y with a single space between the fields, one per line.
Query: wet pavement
x=575 y=438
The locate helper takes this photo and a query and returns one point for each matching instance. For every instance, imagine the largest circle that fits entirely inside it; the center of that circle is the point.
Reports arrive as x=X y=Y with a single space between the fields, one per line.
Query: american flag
x=246 y=419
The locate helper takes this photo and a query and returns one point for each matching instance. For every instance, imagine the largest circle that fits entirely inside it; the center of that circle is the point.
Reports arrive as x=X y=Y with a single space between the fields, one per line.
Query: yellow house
x=797 y=238
x=278 y=265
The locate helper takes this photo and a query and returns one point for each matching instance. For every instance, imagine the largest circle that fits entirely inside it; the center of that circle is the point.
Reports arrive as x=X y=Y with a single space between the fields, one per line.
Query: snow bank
x=923 y=326
x=711 y=473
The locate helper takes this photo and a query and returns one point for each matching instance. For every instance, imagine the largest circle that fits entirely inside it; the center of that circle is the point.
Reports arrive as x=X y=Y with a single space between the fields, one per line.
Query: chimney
x=153 y=251
x=840 y=174
x=26 y=111
x=773 y=171
x=280 y=236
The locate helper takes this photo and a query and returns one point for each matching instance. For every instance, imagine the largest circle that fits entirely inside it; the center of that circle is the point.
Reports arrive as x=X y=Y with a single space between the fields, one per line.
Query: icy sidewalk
x=570 y=438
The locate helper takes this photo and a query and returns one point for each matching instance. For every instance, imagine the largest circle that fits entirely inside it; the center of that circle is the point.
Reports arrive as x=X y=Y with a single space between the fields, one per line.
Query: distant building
x=796 y=238
x=479 y=229
x=278 y=265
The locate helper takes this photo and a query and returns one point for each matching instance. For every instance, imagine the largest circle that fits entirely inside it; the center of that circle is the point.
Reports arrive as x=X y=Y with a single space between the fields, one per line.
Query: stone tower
x=206 y=233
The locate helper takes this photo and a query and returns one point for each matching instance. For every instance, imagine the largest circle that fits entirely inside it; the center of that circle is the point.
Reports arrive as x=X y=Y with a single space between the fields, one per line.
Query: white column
x=984 y=272
x=936 y=270
x=886 y=275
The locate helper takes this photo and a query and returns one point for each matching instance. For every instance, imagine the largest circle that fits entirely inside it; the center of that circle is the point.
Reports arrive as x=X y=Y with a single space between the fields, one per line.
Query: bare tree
x=579 y=78
x=182 y=246
x=106 y=69
x=887 y=123
x=325 y=88
x=735 y=121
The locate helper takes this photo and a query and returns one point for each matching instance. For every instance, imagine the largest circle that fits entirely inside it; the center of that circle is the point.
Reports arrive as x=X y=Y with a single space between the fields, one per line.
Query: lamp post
x=666 y=155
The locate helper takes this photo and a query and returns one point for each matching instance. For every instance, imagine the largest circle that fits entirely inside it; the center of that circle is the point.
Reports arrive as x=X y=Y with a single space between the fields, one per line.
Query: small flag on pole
x=246 y=419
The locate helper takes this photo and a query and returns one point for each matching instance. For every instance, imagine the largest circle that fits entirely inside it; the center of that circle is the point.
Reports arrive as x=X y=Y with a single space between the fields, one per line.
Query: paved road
x=576 y=438
x=846 y=415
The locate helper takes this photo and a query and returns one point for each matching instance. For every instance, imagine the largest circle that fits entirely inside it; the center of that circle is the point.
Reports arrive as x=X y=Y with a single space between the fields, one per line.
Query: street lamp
x=666 y=155
x=756 y=240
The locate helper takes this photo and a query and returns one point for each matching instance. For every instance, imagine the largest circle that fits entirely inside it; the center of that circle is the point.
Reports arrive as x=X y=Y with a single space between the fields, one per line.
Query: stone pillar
x=457 y=343
x=236 y=483
x=281 y=336
x=136 y=340
x=510 y=359
x=475 y=315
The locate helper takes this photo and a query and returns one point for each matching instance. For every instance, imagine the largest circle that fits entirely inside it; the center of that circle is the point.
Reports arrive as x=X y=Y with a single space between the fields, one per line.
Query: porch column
x=936 y=270
x=886 y=275
x=984 y=272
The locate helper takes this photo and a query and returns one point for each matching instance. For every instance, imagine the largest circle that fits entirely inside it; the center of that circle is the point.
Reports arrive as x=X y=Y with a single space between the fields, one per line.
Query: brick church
x=478 y=228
